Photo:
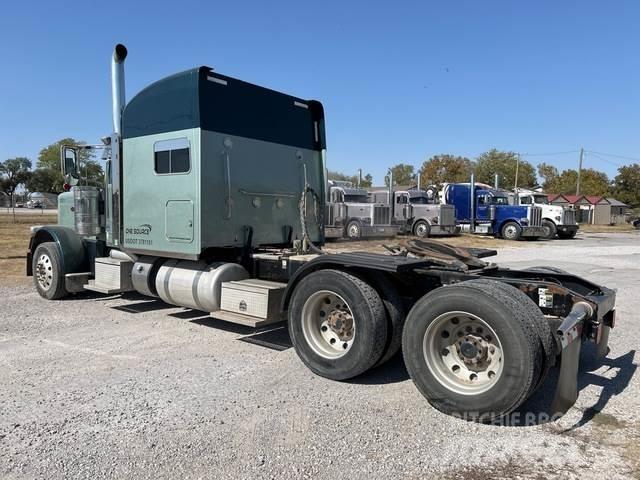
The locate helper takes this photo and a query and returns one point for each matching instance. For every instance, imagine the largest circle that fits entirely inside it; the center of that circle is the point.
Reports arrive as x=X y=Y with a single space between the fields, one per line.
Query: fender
x=352 y=261
x=511 y=219
x=72 y=250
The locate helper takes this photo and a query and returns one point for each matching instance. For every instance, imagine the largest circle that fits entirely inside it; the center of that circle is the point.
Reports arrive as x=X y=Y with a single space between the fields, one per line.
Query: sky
x=400 y=81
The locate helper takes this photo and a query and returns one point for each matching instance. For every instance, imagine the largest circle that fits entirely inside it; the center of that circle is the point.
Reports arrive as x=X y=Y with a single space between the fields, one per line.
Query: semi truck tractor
x=419 y=212
x=484 y=210
x=213 y=201
x=556 y=219
x=350 y=214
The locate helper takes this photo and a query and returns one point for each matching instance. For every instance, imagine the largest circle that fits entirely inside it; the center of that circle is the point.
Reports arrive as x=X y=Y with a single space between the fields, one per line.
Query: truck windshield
x=356 y=199
x=499 y=201
x=541 y=199
x=419 y=200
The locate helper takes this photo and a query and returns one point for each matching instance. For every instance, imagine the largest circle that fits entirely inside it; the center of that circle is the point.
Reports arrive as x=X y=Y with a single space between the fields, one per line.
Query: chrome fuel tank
x=195 y=285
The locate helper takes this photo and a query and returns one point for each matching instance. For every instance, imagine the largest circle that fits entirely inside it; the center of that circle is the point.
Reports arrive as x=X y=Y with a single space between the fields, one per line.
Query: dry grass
x=464 y=240
x=14 y=241
x=607 y=228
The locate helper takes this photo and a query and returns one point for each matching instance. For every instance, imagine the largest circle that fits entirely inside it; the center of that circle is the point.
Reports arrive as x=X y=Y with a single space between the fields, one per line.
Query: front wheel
x=422 y=229
x=337 y=323
x=354 y=230
x=550 y=229
x=472 y=349
x=511 y=231
x=567 y=235
x=47 y=272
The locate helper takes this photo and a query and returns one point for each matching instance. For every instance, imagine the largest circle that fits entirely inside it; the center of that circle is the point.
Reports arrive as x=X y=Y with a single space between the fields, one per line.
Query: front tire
x=472 y=350
x=511 y=231
x=48 y=277
x=567 y=235
x=353 y=230
x=550 y=229
x=422 y=229
x=337 y=323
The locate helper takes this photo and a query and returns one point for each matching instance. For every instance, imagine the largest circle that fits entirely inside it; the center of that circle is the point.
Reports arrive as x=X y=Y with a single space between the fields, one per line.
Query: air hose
x=302 y=206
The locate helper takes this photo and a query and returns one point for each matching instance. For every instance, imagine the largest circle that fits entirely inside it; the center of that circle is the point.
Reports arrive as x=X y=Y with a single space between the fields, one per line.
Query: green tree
x=549 y=175
x=504 y=164
x=592 y=182
x=627 y=185
x=43 y=180
x=49 y=160
x=445 y=168
x=367 y=181
x=15 y=172
x=402 y=174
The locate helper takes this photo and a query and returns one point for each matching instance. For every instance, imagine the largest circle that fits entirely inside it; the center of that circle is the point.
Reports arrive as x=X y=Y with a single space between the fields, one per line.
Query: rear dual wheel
x=476 y=350
x=338 y=324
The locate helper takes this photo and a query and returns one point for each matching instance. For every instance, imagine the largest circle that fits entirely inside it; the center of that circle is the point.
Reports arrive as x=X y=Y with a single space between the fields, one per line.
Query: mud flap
x=570 y=336
x=603 y=341
x=567 y=388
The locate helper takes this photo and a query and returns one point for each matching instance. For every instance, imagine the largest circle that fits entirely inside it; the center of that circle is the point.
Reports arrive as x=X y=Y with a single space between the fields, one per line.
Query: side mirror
x=70 y=168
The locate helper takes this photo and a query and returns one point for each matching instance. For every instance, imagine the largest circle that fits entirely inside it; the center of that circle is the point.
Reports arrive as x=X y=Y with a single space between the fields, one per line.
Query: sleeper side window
x=172 y=156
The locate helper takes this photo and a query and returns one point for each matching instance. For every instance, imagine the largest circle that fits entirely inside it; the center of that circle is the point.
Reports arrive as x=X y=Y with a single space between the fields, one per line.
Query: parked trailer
x=190 y=214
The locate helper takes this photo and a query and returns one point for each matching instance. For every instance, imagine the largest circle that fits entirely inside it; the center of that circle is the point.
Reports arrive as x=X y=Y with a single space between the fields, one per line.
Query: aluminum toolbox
x=253 y=297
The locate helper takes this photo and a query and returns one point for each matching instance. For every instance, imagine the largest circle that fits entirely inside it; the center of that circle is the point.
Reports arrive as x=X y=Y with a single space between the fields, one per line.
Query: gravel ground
x=130 y=387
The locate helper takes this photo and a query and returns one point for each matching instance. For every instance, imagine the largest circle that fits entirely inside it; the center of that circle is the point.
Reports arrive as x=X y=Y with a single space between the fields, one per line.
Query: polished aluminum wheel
x=510 y=232
x=422 y=229
x=463 y=353
x=328 y=324
x=44 y=271
x=353 y=231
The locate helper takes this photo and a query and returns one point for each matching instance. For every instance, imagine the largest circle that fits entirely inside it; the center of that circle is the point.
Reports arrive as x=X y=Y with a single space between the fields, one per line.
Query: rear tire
x=550 y=229
x=499 y=362
x=337 y=323
x=48 y=277
x=511 y=231
x=396 y=314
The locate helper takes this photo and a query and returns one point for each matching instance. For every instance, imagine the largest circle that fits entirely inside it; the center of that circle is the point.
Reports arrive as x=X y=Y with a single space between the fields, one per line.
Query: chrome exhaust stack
x=117 y=86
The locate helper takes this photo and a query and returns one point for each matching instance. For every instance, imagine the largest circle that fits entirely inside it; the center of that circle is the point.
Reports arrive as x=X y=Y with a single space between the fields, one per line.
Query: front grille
x=329 y=215
x=447 y=216
x=381 y=215
x=569 y=217
x=535 y=216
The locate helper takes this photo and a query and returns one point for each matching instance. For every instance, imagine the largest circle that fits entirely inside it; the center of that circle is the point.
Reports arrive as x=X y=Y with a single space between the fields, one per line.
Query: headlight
x=558 y=217
x=434 y=220
x=524 y=220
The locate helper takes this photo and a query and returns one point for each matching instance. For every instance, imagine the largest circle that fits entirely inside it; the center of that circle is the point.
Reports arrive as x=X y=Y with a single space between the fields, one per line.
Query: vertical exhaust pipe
x=117 y=86
x=472 y=204
x=496 y=182
x=391 y=199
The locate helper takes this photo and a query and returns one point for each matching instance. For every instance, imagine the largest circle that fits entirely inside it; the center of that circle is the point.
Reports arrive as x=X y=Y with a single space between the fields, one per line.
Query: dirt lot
x=126 y=386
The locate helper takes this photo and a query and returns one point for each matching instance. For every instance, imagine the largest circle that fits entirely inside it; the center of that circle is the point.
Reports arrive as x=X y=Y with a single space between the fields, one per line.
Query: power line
x=566 y=152
x=603 y=159
x=615 y=156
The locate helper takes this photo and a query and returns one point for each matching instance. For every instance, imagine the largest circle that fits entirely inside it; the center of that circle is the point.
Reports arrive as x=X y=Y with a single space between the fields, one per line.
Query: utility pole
x=579 y=171
x=515 y=186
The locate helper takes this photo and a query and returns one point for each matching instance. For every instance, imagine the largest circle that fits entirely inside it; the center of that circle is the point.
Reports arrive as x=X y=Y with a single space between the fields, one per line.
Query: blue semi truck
x=484 y=210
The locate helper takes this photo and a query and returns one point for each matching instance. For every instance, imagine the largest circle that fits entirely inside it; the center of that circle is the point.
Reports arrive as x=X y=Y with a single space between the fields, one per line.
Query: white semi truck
x=556 y=219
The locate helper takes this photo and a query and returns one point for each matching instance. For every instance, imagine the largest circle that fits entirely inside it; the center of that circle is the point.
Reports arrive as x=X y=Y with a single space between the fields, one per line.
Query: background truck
x=556 y=219
x=212 y=201
x=350 y=214
x=482 y=209
x=419 y=212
